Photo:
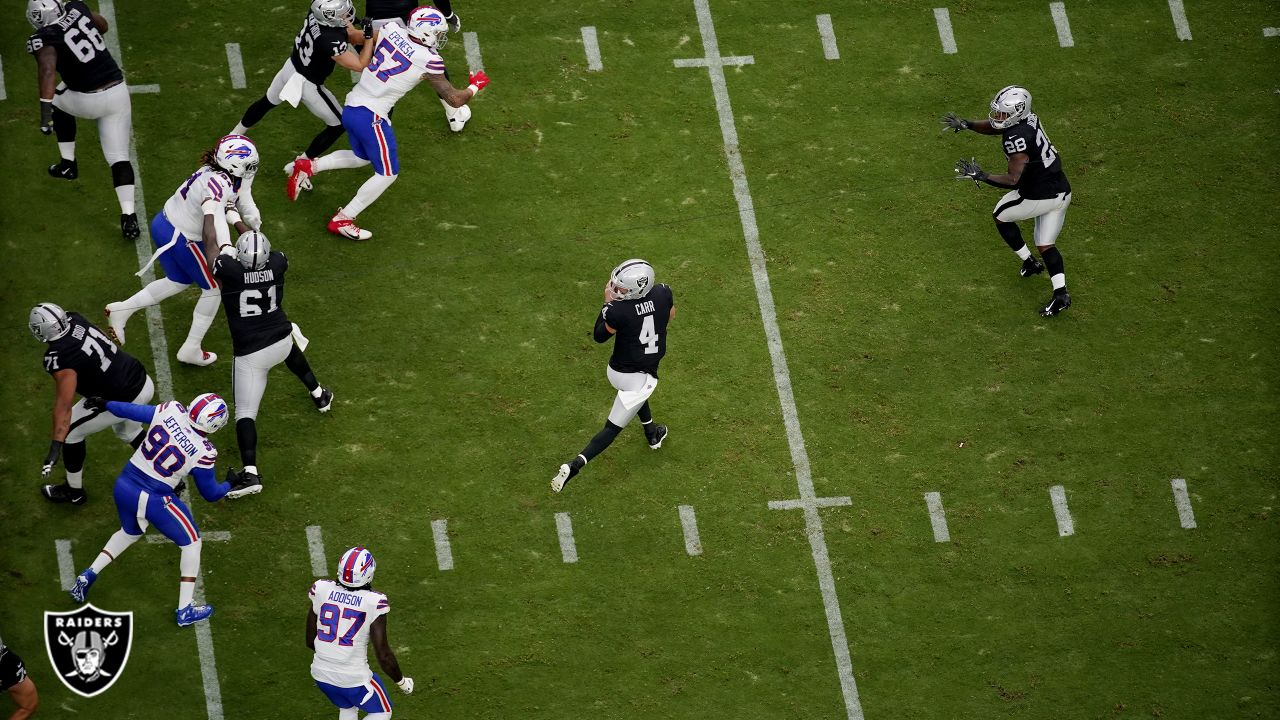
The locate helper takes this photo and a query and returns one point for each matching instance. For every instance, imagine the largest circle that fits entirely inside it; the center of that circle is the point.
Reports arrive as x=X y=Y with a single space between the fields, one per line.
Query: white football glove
x=406 y=685
x=233 y=216
x=253 y=219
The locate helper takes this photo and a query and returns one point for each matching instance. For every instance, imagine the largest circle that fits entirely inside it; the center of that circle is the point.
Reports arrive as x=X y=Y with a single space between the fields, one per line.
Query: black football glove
x=95 y=403
x=969 y=170
x=51 y=459
x=46 y=117
x=366 y=24
x=455 y=22
x=951 y=122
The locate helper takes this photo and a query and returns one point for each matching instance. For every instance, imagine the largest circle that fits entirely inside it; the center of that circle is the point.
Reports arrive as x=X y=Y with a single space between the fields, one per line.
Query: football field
x=891 y=490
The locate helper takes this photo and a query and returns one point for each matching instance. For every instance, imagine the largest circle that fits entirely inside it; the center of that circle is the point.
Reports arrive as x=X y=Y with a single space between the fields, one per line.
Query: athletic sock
x=255 y=113
x=67 y=150
x=201 y=319
x=370 y=191
x=298 y=365
x=324 y=140
x=316 y=392
x=124 y=195
x=1012 y=236
x=75 y=480
x=602 y=440
x=645 y=414
x=247 y=438
x=156 y=291
x=189 y=566
x=118 y=543
x=251 y=469
x=1053 y=261
x=337 y=160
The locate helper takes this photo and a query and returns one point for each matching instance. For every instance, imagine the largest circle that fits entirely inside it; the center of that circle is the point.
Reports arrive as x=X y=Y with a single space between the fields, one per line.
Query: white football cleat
x=196 y=356
x=562 y=477
x=117 y=316
x=457 y=117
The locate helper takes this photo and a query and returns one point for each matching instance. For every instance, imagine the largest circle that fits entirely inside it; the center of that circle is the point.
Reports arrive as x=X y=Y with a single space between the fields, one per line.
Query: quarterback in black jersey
x=324 y=41
x=1037 y=186
x=251 y=276
x=83 y=361
x=68 y=42
x=635 y=314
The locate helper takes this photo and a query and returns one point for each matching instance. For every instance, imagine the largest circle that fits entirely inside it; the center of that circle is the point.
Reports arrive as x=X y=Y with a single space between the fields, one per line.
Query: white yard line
x=945 y=34
x=1179 y=14
x=828 y=33
x=210 y=536
x=692 y=543
x=236 y=64
x=3 y=96
x=1061 y=513
x=715 y=64
x=66 y=566
x=163 y=375
x=472 y=43
x=1182 y=500
x=444 y=554
x=1059 y=13
x=592 y=46
x=315 y=547
x=1266 y=32
x=564 y=529
x=937 y=517
x=142 y=89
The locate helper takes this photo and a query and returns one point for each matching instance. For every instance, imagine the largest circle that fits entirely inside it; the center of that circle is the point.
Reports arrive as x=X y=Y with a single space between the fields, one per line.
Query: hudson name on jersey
x=102 y=369
x=640 y=325
x=254 y=300
x=398 y=65
x=1042 y=178
x=344 y=617
x=84 y=63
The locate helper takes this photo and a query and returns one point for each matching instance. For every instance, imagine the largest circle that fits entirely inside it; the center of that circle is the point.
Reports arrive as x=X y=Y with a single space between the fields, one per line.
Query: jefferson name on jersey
x=83 y=60
x=102 y=369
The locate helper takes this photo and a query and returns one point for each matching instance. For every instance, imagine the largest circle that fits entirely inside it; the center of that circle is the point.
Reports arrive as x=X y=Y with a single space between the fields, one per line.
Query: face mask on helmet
x=427 y=26
x=632 y=279
x=1011 y=106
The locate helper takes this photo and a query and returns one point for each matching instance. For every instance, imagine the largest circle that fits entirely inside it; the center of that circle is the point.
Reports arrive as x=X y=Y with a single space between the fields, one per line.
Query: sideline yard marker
x=1061 y=513
x=936 y=517
x=315 y=546
x=945 y=34
x=592 y=45
x=828 y=33
x=1266 y=32
x=564 y=529
x=3 y=96
x=689 y=521
x=210 y=536
x=472 y=43
x=143 y=90
x=1180 y=24
x=1186 y=517
x=444 y=554
x=66 y=566
x=236 y=64
x=1059 y=13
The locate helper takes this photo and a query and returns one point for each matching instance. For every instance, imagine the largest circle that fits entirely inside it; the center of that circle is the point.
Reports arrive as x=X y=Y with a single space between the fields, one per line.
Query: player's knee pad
x=122 y=173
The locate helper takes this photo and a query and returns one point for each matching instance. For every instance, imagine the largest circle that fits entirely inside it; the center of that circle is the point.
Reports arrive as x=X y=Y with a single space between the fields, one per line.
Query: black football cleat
x=64 y=170
x=246 y=483
x=1059 y=302
x=1031 y=266
x=181 y=487
x=64 y=493
x=325 y=401
x=129 y=226
x=656 y=437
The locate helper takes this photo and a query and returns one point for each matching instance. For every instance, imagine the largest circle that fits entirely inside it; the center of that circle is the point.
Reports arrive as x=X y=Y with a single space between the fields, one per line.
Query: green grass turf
x=457 y=345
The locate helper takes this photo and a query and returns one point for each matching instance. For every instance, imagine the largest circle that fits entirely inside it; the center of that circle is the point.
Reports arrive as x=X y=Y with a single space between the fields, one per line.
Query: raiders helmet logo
x=642 y=282
x=88 y=647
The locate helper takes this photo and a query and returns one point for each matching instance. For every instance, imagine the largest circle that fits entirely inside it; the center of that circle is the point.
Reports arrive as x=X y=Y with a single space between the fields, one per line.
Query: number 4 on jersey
x=649 y=336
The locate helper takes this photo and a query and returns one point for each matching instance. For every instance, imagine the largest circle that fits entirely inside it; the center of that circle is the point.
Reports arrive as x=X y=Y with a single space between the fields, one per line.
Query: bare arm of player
x=351 y=61
x=64 y=398
x=448 y=93
x=1017 y=162
x=983 y=127
x=311 y=629
x=381 y=648
x=24 y=695
x=671 y=315
x=47 y=71
x=101 y=22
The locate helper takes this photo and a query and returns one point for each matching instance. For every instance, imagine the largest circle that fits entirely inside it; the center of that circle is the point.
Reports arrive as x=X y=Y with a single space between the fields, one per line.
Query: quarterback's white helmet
x=427 y=25
x=334 y=13
x=44 y=12
x=48 y=322
x=208 y=413
x=253 y=249
x=237 y=155
x=632 y=279
x=356 y=567
x=1011 y=106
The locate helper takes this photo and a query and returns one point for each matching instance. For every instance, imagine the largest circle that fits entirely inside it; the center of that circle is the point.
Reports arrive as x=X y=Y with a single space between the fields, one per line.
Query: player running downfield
x=403 y=58
x=83 y=360
x=68 y=43
x=196 y=211
x=176 y=445
x=344 y=616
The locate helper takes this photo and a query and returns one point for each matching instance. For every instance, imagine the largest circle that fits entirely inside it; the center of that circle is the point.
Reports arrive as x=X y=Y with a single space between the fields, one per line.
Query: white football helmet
x=632 y=279
x=355 y=568
x=334 y=13
x=1011 y=106
x=427 y=26
x=208 y=413
x=48 y=322
x=44 y=12
x=237 y=155
x=253 y=249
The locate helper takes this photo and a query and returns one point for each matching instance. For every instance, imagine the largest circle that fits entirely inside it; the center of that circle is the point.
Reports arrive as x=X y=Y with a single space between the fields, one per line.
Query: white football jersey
x=172 y=448
x=184 y=210
x=344 y=617
x=398 y=65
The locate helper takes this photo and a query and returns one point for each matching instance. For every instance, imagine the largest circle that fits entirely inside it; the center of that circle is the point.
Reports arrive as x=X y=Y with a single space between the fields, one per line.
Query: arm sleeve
x=129 y=411
x=248 y=208
x=207 y=483
x=601 y=333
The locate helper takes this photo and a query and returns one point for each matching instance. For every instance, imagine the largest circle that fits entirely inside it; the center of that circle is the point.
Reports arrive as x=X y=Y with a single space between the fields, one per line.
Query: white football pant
x=85 y=422
x=633 y=390
x=1049 y=214
x=112 y=110
x=249 y=376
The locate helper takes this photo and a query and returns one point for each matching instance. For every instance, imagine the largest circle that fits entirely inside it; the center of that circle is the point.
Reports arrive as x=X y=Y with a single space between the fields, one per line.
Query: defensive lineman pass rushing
x=68 y=42
x=343 y=617
x=1037 y=186
x=83 y=360
x=175 y=445
x=252 y=278
x=381 y=12
x=404 y=57
x=635 y=314
x=223 y=182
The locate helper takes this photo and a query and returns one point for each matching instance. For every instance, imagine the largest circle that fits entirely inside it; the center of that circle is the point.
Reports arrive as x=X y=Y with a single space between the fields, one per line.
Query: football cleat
x=129 y=226
x=1031 y=266
x=656 y=437
x=84 y=581
x=64 y=170
x=562 y=478
x=1059 y=302
x=63 y=493
x=300 y=173
x=325 y=401
x=457 y=117
x=117 y=317
x=196 y=357
x=192 y=614
x=245 y=483
x=347 y=228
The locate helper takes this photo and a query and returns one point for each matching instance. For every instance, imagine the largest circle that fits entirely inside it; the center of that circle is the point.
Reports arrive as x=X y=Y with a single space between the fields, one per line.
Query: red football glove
x=479 y=79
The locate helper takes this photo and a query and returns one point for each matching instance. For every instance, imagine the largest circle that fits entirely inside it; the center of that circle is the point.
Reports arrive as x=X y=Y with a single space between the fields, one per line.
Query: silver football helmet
x=253 y=249
x=44 y=12
x=632 y=279
x=335 y=13
x=48 y=322
x=1011 y=106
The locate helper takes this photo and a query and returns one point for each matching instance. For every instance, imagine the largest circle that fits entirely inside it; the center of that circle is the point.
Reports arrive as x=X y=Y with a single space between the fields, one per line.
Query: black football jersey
x=12 y=671
x=315 y=47
x=102 y=369
x=83 y=60
x=1042 y=177
x=254 y=300
x=640 y=326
